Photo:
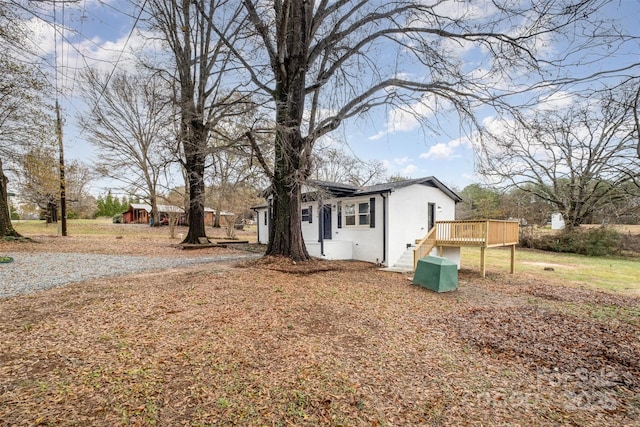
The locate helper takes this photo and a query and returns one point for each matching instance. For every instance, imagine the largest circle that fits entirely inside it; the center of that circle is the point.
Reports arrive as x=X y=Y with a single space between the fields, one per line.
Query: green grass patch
x=88 y=227
x=604 y=273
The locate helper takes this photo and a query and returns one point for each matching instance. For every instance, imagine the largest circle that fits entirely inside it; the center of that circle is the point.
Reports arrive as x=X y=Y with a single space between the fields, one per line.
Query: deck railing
x=484 y=234
x=502 y=233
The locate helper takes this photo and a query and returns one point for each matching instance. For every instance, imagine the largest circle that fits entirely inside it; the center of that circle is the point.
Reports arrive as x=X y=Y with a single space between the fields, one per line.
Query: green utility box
x=437 y=274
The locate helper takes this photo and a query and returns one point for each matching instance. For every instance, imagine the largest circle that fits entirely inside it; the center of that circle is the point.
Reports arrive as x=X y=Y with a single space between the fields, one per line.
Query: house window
x=307 y=214
x=356 y=214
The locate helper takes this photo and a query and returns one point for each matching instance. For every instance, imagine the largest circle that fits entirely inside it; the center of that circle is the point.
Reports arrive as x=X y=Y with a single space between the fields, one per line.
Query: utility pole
x=63 y=186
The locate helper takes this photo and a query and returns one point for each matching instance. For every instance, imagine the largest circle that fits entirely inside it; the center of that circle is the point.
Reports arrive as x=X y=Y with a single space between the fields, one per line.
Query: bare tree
x=232 y=176
x=526 y=207
x=130 y=122
x=192 y=31
x=317 y=64
x=577 y=160
x=23 y=121
x=336 y=165
x=78 y=177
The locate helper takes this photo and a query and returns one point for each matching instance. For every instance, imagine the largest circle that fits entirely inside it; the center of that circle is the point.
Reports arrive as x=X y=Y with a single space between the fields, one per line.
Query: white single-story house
x=378 y=223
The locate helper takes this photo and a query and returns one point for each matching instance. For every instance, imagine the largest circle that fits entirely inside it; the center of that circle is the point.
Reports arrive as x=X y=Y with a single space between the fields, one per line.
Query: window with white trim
x=307 y=214
x=356 y=214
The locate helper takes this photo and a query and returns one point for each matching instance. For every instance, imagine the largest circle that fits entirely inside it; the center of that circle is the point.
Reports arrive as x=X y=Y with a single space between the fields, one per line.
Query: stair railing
x=424 y=246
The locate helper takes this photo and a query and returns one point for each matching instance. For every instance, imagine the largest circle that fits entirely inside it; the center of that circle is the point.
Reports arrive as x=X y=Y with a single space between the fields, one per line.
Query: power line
x=75 y=68
x=63 y=71
x=124 y=46
x=48 y=18
x=108 y=5
x=44 y=56
x=115 y=65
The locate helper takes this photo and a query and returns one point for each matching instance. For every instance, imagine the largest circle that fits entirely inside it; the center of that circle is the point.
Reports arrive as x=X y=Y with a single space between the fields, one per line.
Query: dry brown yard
x=331 y=343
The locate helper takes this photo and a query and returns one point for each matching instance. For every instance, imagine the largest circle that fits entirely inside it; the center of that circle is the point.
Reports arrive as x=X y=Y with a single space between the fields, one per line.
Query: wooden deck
x=483 y=234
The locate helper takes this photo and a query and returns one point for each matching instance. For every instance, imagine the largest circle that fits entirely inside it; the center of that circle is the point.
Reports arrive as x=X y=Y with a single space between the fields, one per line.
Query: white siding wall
x=310 y=230
x=367 y=241
x=333 y=249
x=361 y=243
x=408 y=216
x=263 y=230
x=452 y=253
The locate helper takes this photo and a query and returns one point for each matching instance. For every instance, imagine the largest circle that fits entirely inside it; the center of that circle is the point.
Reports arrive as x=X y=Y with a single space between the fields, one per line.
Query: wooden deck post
x=483 y=258
x=513 y=259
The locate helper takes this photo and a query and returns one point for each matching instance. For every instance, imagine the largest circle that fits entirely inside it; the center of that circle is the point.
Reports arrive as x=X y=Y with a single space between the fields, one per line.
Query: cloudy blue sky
x=101 y=33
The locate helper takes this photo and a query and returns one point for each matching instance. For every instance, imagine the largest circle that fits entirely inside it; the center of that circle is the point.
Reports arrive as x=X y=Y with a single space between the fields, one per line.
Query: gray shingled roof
x=341 y=190
x=338 y=189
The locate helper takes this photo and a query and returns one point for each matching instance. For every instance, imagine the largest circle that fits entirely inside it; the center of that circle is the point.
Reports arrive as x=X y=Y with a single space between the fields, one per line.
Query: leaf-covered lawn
x=340 y=343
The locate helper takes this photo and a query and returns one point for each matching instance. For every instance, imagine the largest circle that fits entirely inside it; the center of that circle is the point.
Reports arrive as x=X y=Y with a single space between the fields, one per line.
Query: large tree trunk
x=194 y=150
x=285 y=233
x=6 y=228
x=52 y=213
x=155 y=216
x=290 y=172
x=292 y=151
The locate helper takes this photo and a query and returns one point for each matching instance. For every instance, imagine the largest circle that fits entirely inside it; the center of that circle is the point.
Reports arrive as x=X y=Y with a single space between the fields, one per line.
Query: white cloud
x=476 y=10
x=76 y=51
x=329 y=141
x=378 y=135
x=408 y=118
x=462 y=141
x=408 y=170
x=442 y=150
x=557 y=101
x=438 y=151
x=494 y=124
x=458 y=48
x=400 y=121
x=104 y=54
x=41 y=39
x=402 y=161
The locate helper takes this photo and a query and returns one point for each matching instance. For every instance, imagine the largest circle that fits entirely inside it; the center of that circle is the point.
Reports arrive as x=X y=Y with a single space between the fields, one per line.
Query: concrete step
x=405 y=262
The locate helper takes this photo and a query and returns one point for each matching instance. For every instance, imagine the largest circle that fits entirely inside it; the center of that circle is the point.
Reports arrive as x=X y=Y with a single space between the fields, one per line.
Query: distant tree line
x=620 y=206
x=109 y=206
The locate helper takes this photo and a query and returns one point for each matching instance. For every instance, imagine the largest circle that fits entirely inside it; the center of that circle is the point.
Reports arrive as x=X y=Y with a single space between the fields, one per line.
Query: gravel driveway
x=31 y=272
